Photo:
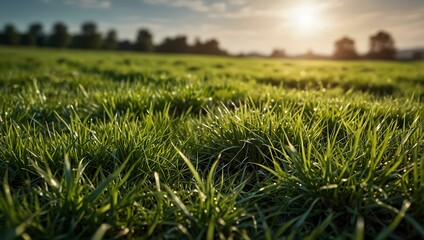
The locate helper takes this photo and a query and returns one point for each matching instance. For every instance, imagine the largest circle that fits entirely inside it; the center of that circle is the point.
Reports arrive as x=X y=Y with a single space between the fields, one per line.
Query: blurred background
x=379 y=29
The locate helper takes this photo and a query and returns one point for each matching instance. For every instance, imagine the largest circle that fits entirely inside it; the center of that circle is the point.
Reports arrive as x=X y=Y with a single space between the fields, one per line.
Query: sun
x=306 y=18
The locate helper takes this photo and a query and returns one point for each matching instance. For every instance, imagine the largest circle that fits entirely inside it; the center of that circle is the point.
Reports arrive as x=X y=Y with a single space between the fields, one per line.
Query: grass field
x=124 y=145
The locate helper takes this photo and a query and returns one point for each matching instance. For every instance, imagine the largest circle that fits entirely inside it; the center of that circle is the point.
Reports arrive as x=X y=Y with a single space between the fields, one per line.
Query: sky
x=239 y=25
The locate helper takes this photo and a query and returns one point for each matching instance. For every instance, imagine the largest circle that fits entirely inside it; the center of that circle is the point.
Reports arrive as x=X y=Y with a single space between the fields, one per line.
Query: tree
x=418 y=55
x=144 y=42
x=89 y=37
x=125 y=45
x=197 y=48
x=34 y=36
x=11 y=35
x=309 y=54
x=382 y=46
x=174 y=45
x=60 y=37
x=110 y=42
x=345 y=49
x=278 y=53
x=211 y=47
x=179 y=45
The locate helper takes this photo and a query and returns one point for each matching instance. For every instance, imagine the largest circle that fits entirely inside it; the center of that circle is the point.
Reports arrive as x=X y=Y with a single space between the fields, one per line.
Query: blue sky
x=239 y=25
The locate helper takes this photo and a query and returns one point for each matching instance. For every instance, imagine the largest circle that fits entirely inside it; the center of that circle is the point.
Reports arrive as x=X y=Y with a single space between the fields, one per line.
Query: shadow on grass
x=380 y=90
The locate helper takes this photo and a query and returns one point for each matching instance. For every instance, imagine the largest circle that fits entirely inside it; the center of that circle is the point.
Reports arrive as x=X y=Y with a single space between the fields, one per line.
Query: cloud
x=270 y=9
x=194 y=5
x=224 y=9
x=90 y=3
x=219 y=7
x=236 y=9
x=247 y=12
x=237 y=2
x=100 y=4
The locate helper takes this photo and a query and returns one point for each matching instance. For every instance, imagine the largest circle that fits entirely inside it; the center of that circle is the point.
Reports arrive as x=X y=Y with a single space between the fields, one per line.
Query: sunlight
x=306 y=18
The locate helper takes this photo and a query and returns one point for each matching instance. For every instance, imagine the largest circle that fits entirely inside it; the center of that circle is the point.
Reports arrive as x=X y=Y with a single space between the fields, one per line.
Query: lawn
x=123 y=145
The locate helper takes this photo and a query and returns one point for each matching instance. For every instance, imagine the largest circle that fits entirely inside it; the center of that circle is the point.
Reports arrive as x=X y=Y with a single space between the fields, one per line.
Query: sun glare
x=306 y=18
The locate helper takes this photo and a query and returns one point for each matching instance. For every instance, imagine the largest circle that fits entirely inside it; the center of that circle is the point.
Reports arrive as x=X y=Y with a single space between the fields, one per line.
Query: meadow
x=116 y=145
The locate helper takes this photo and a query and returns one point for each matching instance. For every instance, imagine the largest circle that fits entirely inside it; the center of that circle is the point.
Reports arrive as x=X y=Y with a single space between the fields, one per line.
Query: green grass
x=121 y=145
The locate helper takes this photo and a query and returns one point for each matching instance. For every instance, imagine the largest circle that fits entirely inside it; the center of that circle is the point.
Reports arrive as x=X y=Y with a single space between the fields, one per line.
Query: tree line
x=382 y=44
x=382 y=47
x=90 y=38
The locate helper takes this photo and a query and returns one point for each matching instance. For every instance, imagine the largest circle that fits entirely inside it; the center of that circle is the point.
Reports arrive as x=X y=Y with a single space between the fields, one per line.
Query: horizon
x=240 y=26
